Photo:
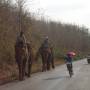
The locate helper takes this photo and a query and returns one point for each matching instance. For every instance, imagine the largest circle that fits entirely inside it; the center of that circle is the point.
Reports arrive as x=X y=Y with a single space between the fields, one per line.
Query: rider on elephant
x=46 y=45
x=21 y=54
x=21 y=40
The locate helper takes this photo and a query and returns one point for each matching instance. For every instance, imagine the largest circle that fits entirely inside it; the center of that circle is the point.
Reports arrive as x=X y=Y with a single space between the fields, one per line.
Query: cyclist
x=68 y=60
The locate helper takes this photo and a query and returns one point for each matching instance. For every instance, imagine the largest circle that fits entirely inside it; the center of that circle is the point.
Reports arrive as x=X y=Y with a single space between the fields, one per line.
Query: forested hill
x=64 y=37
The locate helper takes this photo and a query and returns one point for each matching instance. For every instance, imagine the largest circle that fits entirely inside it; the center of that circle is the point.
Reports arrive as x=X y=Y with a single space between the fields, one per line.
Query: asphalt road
x=57 y=79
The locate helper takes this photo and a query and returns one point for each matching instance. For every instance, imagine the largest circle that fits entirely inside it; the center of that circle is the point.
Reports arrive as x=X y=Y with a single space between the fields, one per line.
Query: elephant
x=23 y=56
x=47 y=58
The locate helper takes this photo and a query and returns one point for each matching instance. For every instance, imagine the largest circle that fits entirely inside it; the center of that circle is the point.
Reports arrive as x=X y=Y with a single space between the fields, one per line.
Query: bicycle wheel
x=69 y=67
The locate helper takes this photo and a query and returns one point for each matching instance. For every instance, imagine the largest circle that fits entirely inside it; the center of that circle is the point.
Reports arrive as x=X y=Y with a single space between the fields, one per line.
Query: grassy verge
x=9 y=73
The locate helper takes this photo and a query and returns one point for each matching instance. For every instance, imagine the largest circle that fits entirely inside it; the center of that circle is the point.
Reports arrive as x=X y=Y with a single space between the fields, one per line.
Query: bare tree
x=20 y=4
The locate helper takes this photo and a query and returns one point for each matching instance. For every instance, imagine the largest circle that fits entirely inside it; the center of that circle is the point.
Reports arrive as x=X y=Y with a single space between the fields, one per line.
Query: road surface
x=57 y=79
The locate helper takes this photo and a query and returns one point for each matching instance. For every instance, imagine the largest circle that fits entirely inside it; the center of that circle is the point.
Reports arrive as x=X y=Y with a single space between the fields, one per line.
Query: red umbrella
x=72 y=53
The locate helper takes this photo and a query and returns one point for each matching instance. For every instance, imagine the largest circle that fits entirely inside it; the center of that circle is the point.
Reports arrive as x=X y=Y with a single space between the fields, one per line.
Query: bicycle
x=70 y=69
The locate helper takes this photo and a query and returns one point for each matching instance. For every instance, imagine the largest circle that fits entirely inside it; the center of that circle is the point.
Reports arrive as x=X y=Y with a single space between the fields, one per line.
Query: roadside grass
x=9 y=73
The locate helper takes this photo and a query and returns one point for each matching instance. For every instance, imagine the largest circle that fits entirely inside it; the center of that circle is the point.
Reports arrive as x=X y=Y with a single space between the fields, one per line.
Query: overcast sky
x=68 y=11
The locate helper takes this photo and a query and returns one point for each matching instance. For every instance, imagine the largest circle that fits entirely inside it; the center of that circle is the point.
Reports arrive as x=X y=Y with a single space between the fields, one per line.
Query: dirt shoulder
x=10 y=73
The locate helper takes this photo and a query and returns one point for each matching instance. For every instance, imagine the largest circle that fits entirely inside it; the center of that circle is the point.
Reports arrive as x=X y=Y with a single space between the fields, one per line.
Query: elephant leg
x=23 y=68
x=48 y=66
x=43 y=67
x=48 y=61
x=43 y=64
x=20 y=71
x=29 y=67
x=53 y=66
x=52 y=62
